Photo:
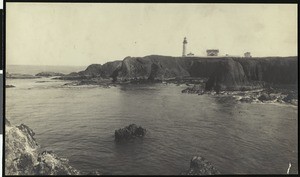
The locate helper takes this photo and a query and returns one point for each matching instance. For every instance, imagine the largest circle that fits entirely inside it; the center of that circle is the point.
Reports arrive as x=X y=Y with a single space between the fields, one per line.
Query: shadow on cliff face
x=274 y=70
x=229 y=75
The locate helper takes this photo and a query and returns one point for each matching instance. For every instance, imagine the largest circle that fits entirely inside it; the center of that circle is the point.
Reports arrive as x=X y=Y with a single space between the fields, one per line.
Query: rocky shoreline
x=218 y=74
x=260 y=95
x=213 y=74
x=23 y=155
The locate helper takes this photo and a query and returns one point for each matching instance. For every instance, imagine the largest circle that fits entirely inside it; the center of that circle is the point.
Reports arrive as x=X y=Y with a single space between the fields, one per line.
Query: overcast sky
x=81 y=34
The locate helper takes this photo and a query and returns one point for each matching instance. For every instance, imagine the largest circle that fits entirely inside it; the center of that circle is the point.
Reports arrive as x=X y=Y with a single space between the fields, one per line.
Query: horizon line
x=195 y=56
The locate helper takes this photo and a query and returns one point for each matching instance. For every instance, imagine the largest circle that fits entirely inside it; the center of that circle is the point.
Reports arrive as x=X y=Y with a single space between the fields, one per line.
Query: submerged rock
x=23 y=156
x=9 y=86
x=93 y=173
x=200 y=166
x=130 y=132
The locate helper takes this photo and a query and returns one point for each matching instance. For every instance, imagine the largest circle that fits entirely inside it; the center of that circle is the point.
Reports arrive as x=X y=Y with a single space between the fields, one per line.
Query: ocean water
x=79 y=123
x=33 y=69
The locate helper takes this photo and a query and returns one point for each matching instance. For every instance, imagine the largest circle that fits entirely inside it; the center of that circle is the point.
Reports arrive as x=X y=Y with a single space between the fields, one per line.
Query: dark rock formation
x=49 y=74
x=9 y=86
x=247 y=99
x=228 y=75
x=95 y=71
x=129 y=133
x=200 y=166
x=270 y=95
x=275 y=70
x=110 y=67
x=23 y=155
x=152 y=67
x=225 y=73
x=291 y=98
x=197 y=88
x=75 y=76
x=266 y=97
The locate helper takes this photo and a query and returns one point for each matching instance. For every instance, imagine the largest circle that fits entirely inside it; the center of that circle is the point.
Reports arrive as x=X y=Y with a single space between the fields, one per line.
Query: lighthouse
x=184 y=47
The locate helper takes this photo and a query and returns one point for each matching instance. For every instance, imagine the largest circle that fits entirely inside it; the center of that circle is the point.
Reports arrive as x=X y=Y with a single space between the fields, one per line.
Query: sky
x=85 y=33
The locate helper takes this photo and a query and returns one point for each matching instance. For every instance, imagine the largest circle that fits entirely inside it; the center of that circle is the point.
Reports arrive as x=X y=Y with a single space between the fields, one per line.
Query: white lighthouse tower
x=184 y=47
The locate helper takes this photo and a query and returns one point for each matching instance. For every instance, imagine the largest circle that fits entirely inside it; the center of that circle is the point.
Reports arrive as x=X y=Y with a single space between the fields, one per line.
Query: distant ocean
x=34 y=69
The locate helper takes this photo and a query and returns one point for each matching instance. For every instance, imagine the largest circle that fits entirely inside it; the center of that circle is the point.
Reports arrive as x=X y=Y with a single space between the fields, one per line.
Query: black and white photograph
x=150 y=89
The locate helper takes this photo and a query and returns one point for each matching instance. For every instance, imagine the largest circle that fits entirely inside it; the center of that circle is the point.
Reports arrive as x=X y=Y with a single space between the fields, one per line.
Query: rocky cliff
x=153 y=67
x=23 y=155
x=222 y=73
x=94 y=71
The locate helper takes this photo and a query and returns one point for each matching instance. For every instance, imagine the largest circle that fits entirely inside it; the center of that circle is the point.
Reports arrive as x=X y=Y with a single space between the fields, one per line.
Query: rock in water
x=291 y=98
x=23 y=155
x=200 y=166
x=197 y=88
x=130 y=132
x=266 y=97
x=49 y=74
x=9 y=86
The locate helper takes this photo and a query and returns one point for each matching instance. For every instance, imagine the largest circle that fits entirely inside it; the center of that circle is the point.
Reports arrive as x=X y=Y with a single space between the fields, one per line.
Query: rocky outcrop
x=196 y=88
x=110 y=67
x=291 y=98
x=129 y=133
x=286 y=96
x=221 y=73
x=9 y=86
x=152 y=67
x=23 y=155
x=200 y=166
x=94 y=71
x=20 y=76
x=266 y=97
x=228 y=75
x=274 y=70
x=49 y=74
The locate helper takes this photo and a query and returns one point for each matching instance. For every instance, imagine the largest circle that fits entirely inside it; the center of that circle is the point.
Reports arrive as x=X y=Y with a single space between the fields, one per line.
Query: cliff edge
x=221 y=73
